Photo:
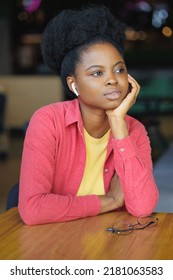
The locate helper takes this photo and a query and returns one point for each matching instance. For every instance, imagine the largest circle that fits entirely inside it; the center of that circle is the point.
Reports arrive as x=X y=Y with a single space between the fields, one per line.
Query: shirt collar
x=73 y=114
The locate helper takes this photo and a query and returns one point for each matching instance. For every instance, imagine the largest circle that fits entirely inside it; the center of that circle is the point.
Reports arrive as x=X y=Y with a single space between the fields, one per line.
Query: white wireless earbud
x=74 y=89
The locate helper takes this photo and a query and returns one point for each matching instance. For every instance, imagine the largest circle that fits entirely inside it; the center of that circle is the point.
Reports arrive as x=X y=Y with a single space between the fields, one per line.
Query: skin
x=102 y=82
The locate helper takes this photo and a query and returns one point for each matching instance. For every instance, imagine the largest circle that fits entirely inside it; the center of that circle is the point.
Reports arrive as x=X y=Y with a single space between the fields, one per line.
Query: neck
x=95 y=122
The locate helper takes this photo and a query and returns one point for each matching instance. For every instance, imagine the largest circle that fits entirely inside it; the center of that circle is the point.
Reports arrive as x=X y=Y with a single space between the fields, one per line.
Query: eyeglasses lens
x=121 y=228
x=149 y=221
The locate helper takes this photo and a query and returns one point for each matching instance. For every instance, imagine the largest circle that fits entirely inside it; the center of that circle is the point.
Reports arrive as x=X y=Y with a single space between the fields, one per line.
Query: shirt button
x=106 y=170
x=122 y=149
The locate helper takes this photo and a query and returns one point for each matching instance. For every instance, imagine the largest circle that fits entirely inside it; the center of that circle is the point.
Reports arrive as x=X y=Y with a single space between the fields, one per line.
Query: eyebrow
x=100 y=66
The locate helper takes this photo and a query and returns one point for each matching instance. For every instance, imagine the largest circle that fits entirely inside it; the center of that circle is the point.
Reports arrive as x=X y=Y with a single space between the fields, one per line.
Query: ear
x=70 y=80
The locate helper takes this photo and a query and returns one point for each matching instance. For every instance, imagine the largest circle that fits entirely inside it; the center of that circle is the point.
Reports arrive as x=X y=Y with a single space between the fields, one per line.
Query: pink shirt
x=53 y=164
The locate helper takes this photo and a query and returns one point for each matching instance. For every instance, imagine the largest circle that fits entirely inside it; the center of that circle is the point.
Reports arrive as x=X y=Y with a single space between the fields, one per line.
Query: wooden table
x=84 y=239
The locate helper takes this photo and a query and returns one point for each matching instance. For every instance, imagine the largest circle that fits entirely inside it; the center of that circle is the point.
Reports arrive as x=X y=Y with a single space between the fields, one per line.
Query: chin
x=112 y=105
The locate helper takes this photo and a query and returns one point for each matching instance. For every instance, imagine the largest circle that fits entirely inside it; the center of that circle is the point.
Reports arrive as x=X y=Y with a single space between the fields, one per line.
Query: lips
x=112 y=95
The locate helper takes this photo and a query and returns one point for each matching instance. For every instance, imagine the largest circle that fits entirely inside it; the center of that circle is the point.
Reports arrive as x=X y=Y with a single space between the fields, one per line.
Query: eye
x=97 y=73
x=119 y=70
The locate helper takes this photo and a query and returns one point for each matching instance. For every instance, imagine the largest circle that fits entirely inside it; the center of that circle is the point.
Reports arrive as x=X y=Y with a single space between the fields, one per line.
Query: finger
x=134 y=84
x=132 y=80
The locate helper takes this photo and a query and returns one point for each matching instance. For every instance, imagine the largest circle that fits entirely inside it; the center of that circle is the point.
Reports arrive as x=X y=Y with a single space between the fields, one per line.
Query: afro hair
x=73 y=28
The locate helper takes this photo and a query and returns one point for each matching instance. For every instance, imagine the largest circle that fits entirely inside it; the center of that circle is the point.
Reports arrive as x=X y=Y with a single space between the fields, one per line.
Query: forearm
x=50 y=208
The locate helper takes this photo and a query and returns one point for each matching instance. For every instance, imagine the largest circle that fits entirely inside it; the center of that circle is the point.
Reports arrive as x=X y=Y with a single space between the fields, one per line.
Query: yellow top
x=92 y=182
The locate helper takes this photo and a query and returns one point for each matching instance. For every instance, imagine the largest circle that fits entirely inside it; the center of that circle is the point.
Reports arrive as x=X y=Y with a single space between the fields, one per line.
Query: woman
x=86 y=156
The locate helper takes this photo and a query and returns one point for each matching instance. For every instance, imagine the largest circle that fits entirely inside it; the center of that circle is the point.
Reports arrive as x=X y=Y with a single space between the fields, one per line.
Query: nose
x=111 y=79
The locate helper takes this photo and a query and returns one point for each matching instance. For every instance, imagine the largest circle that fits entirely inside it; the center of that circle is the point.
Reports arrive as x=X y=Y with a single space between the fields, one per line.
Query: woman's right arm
x=38 y=204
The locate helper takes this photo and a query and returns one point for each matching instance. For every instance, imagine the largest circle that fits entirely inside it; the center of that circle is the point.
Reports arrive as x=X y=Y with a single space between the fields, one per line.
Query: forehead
x=100 y=53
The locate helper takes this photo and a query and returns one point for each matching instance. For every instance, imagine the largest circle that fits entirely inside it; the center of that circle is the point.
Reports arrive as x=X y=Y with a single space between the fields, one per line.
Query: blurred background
x=27 y=84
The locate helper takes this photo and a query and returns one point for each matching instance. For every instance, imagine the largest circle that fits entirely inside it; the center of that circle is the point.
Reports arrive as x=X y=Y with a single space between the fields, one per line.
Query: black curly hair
x=71 y=32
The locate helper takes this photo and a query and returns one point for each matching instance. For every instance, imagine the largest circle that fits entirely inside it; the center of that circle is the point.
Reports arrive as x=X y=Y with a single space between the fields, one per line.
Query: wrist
x=118 y=128
x=117 y=202
x=108 y=203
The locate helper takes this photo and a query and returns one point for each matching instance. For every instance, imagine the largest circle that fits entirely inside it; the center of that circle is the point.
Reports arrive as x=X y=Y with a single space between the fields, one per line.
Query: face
x=101 y=77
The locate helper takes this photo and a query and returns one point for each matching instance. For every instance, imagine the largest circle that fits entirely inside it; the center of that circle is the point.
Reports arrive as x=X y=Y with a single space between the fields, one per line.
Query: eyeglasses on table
x=124 y=228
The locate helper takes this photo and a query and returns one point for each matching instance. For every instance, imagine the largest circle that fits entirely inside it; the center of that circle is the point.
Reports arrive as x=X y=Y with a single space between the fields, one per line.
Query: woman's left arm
x=132 y=157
